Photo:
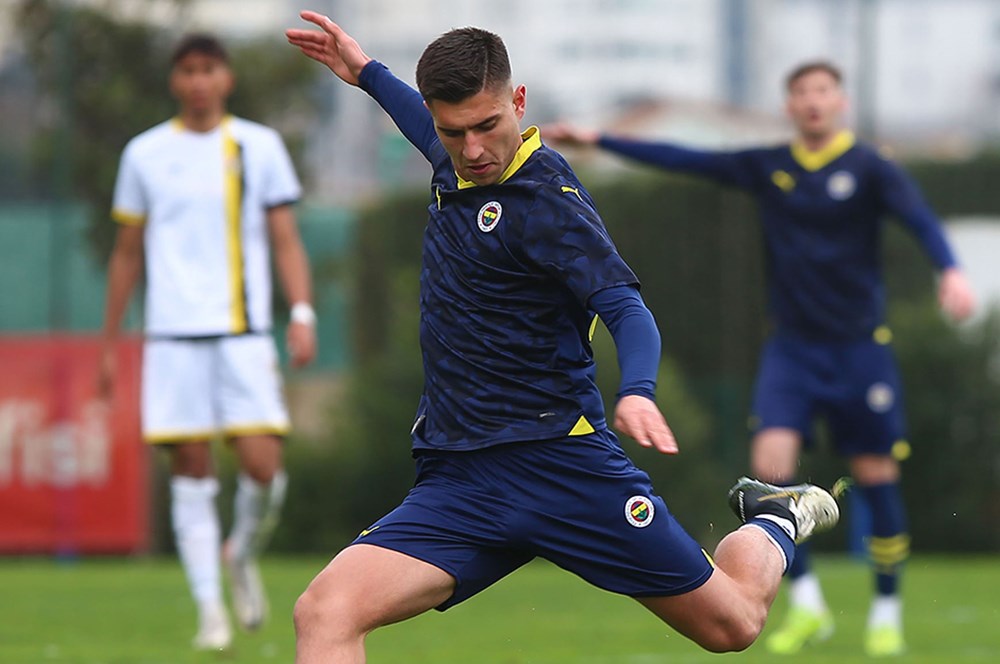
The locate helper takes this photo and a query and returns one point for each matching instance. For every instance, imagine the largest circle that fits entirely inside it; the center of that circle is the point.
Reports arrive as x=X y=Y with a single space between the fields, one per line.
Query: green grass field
x=138 y=612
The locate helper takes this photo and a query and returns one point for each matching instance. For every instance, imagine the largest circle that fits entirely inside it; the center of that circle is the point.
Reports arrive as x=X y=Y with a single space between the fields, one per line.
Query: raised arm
x=902 y=198
x=728 y=168
x=340 y=52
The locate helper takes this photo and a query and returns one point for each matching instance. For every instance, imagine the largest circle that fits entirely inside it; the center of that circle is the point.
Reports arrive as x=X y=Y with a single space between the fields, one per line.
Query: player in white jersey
x=206 y=197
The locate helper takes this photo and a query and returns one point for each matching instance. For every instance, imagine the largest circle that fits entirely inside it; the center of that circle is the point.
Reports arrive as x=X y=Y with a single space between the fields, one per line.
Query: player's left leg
x=877 y=479
x=868 y=427
x=728 y=612
x=260 y=494
x=254 y=419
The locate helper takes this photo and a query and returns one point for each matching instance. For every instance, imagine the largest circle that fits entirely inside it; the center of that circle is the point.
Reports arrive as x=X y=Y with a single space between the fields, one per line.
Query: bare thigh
x=367 y=586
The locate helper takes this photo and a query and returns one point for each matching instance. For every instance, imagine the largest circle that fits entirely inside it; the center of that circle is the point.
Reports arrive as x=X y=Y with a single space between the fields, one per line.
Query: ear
x=520 y=95
x=230 y=81
x=172 y=84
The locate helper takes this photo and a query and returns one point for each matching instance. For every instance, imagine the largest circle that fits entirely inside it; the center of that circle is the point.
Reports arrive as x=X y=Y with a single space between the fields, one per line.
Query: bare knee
x=327 y=614
x=733 y=633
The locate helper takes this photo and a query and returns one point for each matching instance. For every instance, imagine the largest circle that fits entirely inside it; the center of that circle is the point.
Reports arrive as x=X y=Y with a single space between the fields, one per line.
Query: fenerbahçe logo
x=489 y=216
x=639 y=511
x=841 y=185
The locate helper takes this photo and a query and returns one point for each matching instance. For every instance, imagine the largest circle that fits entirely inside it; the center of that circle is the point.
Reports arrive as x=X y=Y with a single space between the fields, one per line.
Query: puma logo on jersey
x=783 y=181
x=571 y=190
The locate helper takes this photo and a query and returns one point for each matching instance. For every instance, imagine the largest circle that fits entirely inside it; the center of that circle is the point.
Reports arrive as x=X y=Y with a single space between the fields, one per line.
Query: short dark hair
x=461 y=63
x=202 y=43
x=810 y=67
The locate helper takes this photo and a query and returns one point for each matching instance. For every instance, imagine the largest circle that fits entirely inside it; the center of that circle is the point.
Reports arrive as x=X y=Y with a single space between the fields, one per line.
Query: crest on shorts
x=841 y=185
x=639 y=511
x=880 y=398
x=489 y=216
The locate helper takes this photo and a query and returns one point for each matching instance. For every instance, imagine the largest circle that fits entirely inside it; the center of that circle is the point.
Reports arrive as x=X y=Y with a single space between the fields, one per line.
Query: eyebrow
x=492 y=118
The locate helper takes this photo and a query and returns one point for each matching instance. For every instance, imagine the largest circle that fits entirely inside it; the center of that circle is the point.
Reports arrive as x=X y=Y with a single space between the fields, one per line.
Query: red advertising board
x=73 y=469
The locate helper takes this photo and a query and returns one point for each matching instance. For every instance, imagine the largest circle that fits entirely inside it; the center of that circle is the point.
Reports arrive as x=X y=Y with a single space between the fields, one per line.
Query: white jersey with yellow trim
x=203 y=198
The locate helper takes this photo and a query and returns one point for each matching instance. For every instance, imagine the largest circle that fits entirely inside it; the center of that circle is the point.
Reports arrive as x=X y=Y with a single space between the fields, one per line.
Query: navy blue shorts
x=854 y=386
x=578 y=502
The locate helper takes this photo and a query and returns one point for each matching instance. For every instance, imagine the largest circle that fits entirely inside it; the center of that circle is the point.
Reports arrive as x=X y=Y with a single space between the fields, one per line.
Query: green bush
x=698 y=252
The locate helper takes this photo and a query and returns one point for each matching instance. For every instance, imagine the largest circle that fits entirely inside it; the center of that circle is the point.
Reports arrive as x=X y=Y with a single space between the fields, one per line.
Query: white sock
x=886 y=611
x=196 y=531
x=256 y=509
x=806 y=593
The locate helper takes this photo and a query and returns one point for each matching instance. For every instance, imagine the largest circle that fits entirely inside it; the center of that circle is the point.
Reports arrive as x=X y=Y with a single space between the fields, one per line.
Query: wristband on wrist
x=302 y=312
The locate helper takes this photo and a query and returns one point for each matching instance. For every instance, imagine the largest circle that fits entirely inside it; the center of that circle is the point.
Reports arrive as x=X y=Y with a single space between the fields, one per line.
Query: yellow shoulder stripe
x=128 y=218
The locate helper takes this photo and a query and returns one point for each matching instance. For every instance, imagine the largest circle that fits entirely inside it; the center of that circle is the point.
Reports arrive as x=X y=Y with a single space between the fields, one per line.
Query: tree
x=102 y=78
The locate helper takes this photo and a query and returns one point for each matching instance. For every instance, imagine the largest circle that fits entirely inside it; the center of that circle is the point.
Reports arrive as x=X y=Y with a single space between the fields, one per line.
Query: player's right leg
x=177 y=415
x=774 y=458
x=786 y=395
x=363 y=588
x=195 y=521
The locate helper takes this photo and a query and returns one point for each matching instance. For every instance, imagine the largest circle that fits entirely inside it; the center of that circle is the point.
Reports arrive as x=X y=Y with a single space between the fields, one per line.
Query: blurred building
x=924 y=74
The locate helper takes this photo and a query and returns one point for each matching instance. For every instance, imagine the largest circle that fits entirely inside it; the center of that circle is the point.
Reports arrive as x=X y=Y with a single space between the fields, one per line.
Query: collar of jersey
x=177 y=125
x=813 y=160
x=531 y=141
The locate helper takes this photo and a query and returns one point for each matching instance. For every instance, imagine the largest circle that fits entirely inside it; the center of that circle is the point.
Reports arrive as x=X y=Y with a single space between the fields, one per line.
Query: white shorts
x=193 y=389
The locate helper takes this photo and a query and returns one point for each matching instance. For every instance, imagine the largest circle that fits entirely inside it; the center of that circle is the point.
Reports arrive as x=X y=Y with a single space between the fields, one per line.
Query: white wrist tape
x=302 y=312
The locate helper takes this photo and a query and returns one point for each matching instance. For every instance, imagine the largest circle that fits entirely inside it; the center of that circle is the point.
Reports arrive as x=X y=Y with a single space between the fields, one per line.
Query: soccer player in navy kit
x=514 y=456
x=822 y=200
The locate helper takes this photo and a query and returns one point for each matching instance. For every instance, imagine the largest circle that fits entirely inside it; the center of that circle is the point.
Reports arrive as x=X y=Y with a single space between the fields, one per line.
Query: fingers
x=639 y=418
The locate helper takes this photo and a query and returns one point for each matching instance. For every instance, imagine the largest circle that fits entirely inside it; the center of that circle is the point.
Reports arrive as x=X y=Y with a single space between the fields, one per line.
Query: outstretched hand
x=638 y=417
x=332 y=47
x=567 y=134
x=955 y=295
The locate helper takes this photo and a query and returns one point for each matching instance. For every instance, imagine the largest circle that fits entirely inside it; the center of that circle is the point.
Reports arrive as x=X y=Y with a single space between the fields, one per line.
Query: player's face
x=816 y=103
x=201 y=83
x=481 y=133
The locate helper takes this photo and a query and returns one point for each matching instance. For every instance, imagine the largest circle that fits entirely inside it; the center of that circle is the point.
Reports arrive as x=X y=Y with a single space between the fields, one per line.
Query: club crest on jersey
x=880 y=398
x=489 y=216
x=841 y=185
x=639 y=511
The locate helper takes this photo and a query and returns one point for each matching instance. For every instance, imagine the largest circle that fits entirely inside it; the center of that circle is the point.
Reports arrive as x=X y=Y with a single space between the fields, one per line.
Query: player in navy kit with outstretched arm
x=822 y=200
x=514 y=456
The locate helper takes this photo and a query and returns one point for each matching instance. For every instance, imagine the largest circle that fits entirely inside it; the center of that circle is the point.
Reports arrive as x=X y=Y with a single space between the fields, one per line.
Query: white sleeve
x=281 y=186
x=130 y=204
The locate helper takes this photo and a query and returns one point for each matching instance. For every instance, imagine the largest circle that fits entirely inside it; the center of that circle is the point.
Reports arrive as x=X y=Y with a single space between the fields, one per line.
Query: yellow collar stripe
x=813 y=160
x=531 y=141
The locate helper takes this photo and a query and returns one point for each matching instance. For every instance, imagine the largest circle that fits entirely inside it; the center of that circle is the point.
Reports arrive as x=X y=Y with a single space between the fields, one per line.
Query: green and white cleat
x=249 y=599
x=884 y=641
x=807 y=507
x=800 y=628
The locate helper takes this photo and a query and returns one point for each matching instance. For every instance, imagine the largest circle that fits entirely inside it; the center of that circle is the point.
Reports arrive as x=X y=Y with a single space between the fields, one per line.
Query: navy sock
x=889 y=545
x=779 y=537
x=800 y=566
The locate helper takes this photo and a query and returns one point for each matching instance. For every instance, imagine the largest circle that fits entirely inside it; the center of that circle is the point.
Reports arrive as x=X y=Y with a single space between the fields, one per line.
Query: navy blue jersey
x=508 y=270
x=821 y=214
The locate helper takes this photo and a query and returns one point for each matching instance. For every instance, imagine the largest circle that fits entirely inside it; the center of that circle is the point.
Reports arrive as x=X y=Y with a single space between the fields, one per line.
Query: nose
x=472 y=148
